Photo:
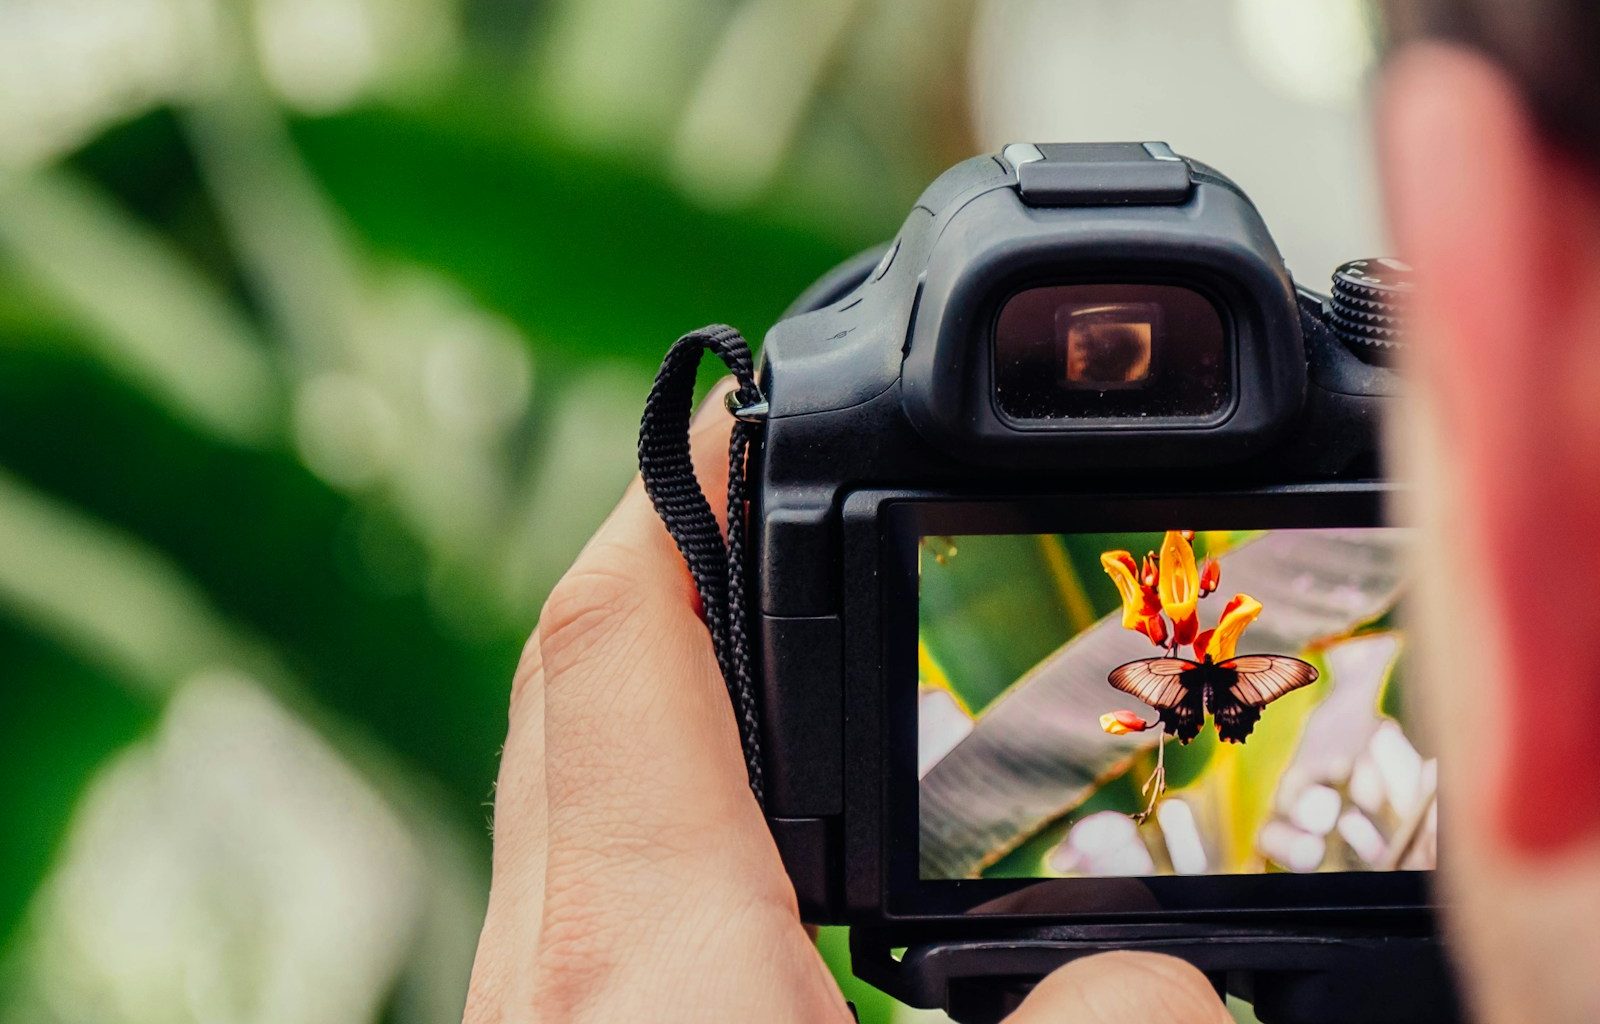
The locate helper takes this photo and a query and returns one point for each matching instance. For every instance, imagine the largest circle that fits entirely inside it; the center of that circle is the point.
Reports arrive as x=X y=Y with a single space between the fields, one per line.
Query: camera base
x=1290 y=978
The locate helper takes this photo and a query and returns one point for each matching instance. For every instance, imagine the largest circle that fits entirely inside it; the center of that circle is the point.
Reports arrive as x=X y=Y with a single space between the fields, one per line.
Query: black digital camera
x=1075 y=604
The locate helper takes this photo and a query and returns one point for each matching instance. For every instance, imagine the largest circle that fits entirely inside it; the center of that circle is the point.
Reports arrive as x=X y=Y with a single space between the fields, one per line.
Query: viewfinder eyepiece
x=1110 y=351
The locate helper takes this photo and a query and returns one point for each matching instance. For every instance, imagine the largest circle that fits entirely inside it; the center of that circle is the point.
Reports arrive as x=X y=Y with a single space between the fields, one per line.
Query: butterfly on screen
x=1233 y=691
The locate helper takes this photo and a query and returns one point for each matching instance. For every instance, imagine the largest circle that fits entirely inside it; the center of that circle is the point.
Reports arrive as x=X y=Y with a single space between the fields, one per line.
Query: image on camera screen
x=1170 y=703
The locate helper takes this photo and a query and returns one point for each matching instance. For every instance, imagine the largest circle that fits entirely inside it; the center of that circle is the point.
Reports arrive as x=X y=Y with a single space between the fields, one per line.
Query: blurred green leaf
x=273 y=547
x=590 y=257
x=989 y=612
x=1391 y=699
x=59 y=721
x=139 y=303
x=872 y=1006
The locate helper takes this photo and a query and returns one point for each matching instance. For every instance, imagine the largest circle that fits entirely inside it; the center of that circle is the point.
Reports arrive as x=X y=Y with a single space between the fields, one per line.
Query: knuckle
x=585 y=609
x=529 y=673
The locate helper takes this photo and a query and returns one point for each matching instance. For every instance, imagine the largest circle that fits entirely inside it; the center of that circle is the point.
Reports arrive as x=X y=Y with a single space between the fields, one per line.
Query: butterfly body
x=1232 y=692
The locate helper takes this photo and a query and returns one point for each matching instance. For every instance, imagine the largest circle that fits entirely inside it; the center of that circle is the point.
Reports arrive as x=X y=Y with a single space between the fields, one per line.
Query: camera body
x=1060 y=339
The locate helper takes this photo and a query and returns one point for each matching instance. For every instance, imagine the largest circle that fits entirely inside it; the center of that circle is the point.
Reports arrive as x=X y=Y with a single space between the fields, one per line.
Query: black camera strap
x=717 y=565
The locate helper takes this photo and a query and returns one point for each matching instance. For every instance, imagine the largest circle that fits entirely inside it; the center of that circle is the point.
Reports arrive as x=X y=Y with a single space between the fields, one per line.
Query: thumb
x=1123 y=988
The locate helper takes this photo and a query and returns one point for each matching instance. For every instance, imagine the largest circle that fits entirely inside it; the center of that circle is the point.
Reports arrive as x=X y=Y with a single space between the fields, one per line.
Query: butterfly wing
x=1263 y=678
x=1159 y=682
x=1168 y=685
x=1243 y=686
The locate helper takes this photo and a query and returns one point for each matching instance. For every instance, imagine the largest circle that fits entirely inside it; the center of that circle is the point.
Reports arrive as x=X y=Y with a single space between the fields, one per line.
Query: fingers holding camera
x=639 y=737
x=629 y=851
x=1123 y=988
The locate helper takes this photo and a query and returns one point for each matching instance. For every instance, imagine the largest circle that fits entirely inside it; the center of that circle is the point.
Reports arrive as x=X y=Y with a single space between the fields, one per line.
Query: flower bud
x=1210 y=576
x=1155 y=627
x=1121 y=723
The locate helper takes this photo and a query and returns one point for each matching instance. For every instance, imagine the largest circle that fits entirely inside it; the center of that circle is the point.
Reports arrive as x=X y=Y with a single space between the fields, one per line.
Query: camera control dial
x=1368 y=306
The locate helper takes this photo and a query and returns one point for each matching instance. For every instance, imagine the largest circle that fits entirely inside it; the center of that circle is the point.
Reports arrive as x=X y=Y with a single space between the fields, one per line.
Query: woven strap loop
x=717 y=565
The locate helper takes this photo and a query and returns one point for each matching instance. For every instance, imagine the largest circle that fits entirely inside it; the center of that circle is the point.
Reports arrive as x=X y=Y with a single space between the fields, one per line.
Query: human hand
x=633 y=875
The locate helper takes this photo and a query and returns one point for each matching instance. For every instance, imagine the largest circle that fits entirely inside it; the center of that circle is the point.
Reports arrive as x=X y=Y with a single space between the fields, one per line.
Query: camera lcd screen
x=1167 y=703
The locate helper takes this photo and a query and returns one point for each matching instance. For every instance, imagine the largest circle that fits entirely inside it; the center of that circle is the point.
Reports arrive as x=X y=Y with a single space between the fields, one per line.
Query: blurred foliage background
x=324 y=325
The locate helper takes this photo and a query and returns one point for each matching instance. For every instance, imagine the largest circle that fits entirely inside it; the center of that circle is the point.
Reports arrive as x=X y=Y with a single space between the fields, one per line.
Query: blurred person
x=1490 y=140
x=633 y=875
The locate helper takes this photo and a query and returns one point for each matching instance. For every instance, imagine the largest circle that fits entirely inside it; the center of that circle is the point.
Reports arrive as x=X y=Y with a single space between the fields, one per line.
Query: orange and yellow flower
x=1179 y=586
x=1220 y=643
x=1141 y=605
x=1161 y=596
